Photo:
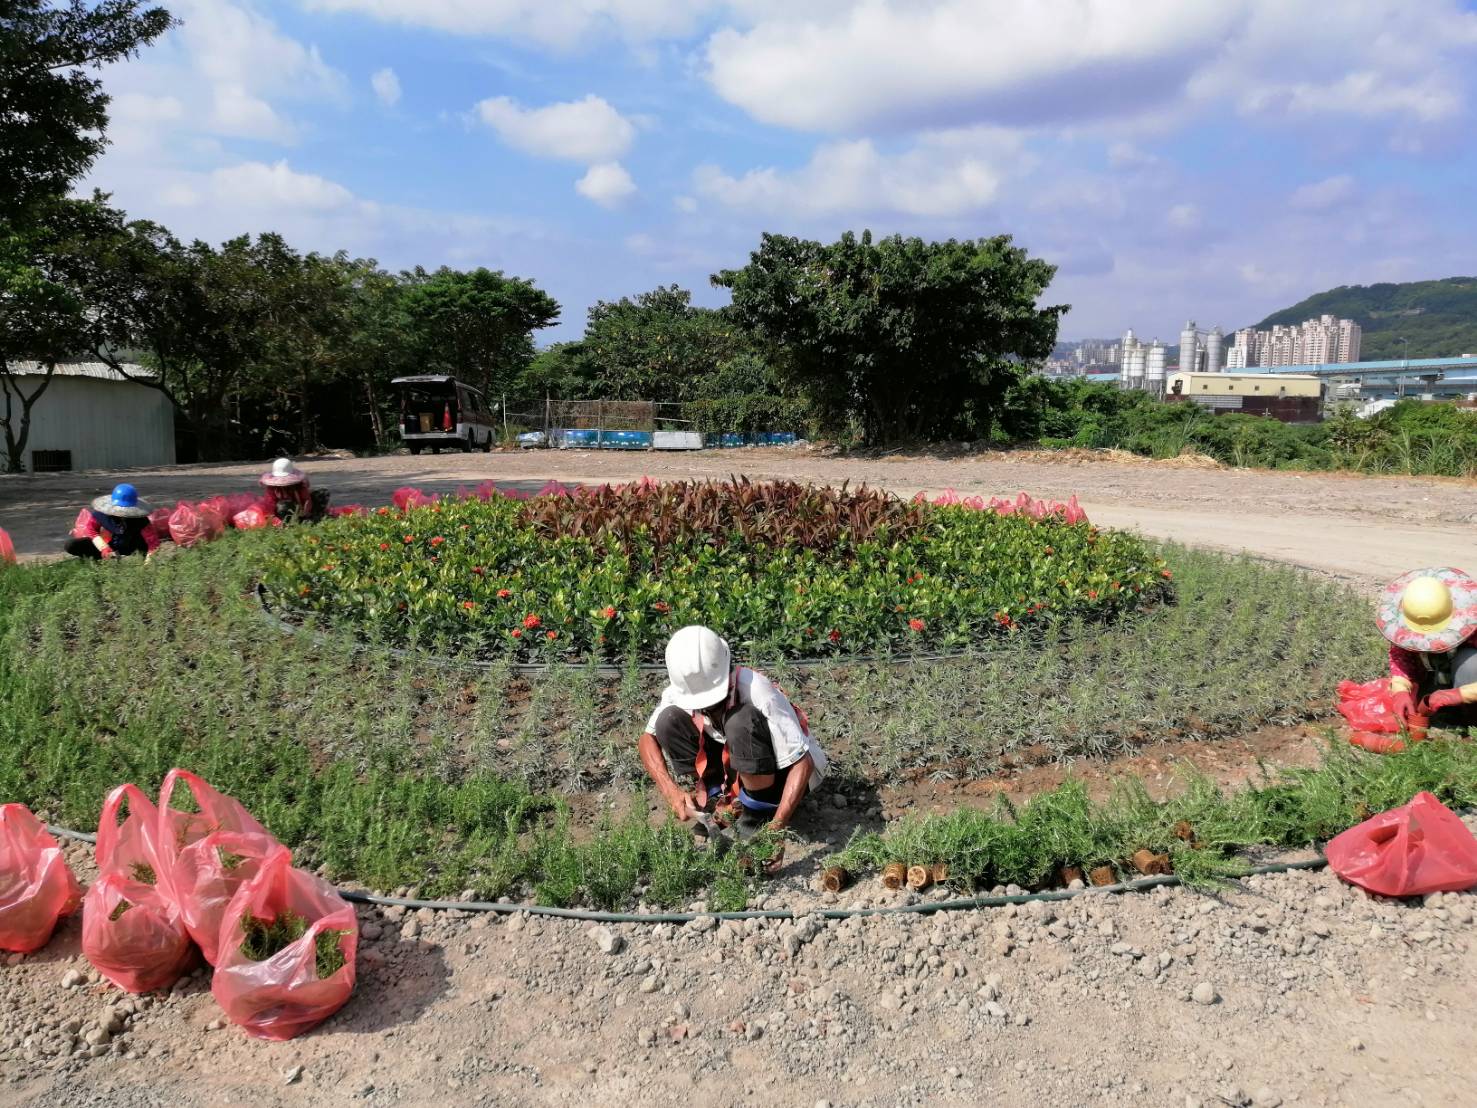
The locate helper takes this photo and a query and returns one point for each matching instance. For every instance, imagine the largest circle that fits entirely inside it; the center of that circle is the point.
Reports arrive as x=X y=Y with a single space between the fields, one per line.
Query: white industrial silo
x=1190 y=348
x=1137 y=361
x=1154 y=368
x=1215 y=345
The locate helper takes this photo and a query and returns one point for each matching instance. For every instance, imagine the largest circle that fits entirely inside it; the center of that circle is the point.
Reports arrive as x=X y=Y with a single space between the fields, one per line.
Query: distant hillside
x=1438 y=317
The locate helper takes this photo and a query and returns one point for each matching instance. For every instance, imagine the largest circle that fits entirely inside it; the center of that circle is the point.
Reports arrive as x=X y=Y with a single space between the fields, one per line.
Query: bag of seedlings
x=286 y=952
x=192 y=524
x=36 y=884
x=133 y=935
x=7 y=549
x=214 y=811
x=131 y=929
x=209 y=872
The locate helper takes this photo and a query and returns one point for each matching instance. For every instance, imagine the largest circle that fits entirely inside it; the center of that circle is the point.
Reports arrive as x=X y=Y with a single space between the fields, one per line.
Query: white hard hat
x=697 y=666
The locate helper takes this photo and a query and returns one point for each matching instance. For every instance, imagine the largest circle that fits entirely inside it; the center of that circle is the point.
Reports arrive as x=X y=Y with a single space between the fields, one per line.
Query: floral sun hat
x=1430 y=611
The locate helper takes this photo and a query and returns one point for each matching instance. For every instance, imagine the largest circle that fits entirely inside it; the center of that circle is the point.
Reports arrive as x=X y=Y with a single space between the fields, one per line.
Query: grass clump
x=143 y=873
x=1204 y=830
x=263 y=939
x=118 y=909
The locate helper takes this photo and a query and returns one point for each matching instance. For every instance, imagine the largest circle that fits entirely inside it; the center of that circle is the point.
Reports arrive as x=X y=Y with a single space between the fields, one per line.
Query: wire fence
x=628 y=425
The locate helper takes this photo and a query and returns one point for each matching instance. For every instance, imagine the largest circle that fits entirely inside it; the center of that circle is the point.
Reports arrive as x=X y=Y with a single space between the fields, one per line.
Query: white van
x=437 y=411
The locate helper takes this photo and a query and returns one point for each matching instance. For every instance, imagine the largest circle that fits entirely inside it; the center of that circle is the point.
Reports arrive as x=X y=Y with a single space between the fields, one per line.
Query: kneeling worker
x=113 y=525
x=1430 y=618
x=731 y=732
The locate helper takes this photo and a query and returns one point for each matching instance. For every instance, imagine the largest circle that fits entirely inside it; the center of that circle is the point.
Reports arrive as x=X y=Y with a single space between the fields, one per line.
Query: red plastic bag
x=282 y=995
x=207 y=875
x=1421 y=847
x=159 y=521
x=408 y=497
x=131 y=929
x=7 y=549
x=252 y=519
x=84 y=517
x=175 y=830
x=1369 y=707
x=348 y=510
x=36 y=884
x=133 y=936
x=190 y=524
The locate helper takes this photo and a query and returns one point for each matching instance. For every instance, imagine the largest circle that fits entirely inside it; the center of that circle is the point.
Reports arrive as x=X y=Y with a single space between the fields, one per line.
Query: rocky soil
x=1283 y=989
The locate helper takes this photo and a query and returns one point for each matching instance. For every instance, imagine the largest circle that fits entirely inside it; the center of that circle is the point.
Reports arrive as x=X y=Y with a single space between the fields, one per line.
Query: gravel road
x=1363 y=529
x=1288 y=989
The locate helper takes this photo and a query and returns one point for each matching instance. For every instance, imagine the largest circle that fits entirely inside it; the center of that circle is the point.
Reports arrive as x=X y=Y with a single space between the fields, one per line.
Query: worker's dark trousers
x=746 y=727
x=1463 y=672
x=83 y=548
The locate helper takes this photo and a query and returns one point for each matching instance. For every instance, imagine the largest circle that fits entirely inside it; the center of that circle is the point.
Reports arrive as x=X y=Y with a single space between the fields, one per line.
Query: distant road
x=1362 y=529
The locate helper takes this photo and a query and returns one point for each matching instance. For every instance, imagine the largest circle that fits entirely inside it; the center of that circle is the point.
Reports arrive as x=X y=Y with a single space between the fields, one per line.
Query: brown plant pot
x=1184 y=832
x=1067 y=874
x=1103 y=875
x=940 y=872
x=834 y=879
x=920 y=877
x=894 y=875
x=1150 y=864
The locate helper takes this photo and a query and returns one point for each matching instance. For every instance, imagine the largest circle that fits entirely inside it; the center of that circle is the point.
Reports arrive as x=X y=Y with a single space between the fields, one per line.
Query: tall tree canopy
x=53 y=110
x=899 y=338
x=476 y=324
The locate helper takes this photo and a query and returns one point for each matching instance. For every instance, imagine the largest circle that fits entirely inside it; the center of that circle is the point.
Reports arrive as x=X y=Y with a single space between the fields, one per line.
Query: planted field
x=785 y=570
x=398 y=771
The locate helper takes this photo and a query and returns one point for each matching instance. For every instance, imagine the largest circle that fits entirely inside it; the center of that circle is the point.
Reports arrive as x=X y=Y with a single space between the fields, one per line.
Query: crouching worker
x=732 y=734
x=292 y=500
x=114 y=525
x=1430 y=618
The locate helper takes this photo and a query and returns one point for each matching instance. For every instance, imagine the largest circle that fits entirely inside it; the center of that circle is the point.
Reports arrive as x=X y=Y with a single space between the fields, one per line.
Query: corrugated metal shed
x=91 y=418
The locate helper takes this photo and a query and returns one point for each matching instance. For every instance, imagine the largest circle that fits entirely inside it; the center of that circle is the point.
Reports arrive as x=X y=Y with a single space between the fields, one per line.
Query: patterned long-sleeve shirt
x=88 y=527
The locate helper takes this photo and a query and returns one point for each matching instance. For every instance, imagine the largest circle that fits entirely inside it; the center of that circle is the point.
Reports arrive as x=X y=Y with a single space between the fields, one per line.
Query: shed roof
x=98 y=370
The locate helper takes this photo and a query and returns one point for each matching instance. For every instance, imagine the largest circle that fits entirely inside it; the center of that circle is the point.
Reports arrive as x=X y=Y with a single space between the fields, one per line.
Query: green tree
x=476 y=325
x=900 y=338
x=53 y=111
x=657 y=346
x=46 y=311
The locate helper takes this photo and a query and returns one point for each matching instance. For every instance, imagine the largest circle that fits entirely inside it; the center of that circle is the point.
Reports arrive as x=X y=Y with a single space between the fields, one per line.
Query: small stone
x=370 y=931
x=681 y=1010
x=703 y=924
x=293 y=1076
x=1204 y=993
x=98 y=1036
x=646 y=1036
x=1002 y=946
x=1355 y=1044
x=649 y=984
x=215 y=1024
x=72 y=978
x=591 y=1065
x=1265 y=1098
x=411 y=930
x=995 y=1010
x=607 y=940
x=753 y=1031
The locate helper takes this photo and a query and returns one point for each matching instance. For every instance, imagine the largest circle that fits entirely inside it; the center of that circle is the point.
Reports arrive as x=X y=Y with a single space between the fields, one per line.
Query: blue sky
x=1214 y=159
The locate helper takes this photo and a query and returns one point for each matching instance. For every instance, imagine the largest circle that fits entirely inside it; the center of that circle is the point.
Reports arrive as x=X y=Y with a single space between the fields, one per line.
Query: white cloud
x=897 y=62
x=901 y=64
x=1322 y=195
x=255 y=184
x=687 y=205
x=386 y=87
x=564 y=24
x=587 y=130
x=607 y=184
x=936 y=177
x=1184 y=217
x=225 y=71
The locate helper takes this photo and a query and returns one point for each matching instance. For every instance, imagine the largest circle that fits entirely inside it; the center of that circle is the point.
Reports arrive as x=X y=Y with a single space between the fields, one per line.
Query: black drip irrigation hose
x=921 y=909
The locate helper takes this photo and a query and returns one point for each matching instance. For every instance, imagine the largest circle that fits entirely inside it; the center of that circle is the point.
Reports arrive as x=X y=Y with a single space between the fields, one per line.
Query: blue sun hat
x=122 y=503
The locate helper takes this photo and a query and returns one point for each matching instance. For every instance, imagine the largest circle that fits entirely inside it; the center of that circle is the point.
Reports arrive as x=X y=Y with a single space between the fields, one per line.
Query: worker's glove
x=108 y=552
x=1442 y=698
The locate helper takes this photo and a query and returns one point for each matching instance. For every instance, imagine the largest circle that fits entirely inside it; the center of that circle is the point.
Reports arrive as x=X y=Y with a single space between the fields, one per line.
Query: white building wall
x=105 y=424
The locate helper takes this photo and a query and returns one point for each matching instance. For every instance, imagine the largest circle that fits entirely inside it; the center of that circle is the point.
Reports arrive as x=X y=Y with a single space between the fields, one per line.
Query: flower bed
x=779 y=569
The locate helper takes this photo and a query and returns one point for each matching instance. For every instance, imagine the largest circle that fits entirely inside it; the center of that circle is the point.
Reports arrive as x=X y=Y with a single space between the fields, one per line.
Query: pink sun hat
x=282 y=474
x=1430 y=611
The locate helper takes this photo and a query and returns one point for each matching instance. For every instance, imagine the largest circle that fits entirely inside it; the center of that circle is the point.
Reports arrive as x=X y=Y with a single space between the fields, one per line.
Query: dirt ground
x=1280 y=990
x=1362 y=529
x=1287 y=989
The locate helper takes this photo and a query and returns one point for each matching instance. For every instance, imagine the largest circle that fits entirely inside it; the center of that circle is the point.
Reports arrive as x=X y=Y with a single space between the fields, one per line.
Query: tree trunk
x=15 y=440
x=376 y=424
